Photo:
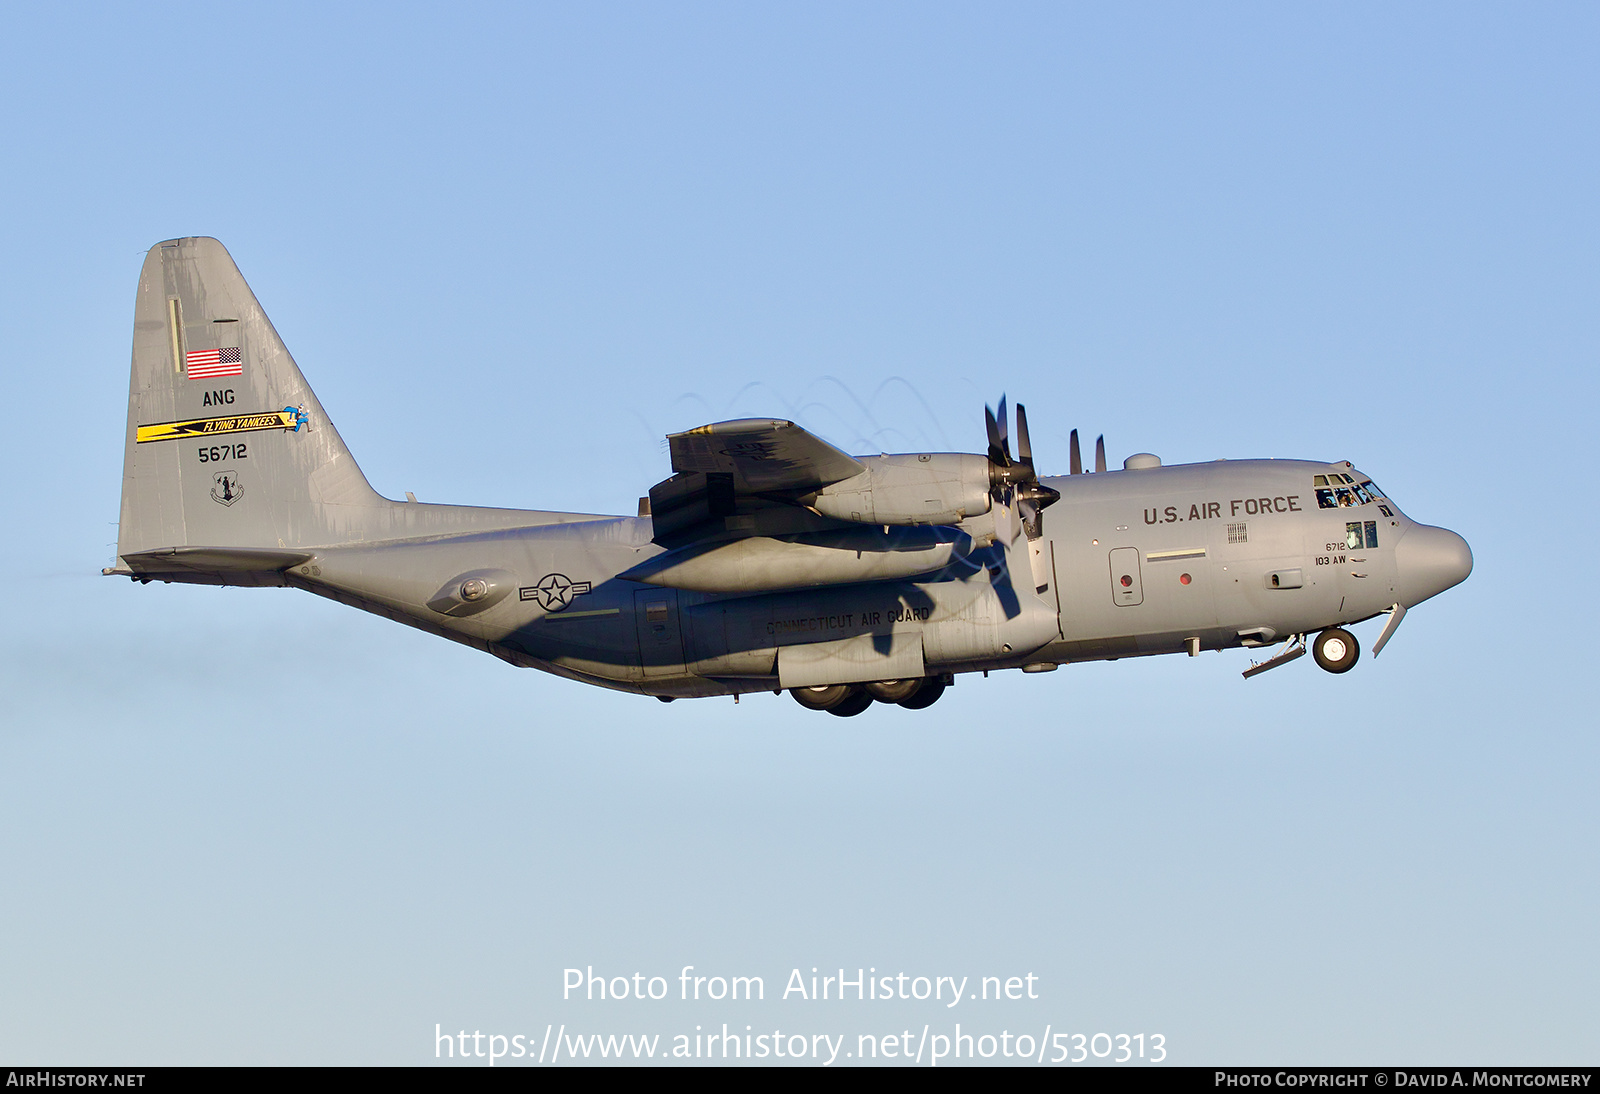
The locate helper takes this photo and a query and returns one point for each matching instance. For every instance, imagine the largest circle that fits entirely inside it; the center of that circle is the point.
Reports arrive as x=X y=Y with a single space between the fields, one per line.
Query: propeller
x=1033 y=496
x=1015 y=481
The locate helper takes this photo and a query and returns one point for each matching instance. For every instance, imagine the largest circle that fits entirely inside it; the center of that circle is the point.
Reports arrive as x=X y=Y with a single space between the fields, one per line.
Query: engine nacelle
x=932 y=488
x=762 y=564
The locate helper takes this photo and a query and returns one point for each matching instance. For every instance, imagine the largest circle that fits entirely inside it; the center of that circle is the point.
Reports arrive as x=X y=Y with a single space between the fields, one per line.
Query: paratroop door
x=655 y=614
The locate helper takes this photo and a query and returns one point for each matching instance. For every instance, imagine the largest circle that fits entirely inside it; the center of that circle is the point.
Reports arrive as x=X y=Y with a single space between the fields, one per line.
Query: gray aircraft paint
x=242 y=480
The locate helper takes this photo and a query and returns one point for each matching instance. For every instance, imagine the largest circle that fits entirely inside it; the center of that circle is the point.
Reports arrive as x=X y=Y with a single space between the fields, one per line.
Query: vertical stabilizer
x=227 y=446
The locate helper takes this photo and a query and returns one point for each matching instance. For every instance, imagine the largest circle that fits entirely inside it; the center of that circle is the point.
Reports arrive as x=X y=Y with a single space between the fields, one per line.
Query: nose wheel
x=1336 y=650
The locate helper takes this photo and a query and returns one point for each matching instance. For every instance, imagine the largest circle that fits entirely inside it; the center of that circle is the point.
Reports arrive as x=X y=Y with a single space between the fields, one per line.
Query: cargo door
x=1127 y=584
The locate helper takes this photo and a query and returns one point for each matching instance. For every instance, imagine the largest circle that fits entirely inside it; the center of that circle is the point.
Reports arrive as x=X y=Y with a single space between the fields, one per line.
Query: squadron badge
x=225 y=488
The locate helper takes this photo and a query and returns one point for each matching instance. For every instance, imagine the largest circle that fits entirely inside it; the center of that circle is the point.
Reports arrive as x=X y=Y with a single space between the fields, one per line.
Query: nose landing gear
x=1336 y=650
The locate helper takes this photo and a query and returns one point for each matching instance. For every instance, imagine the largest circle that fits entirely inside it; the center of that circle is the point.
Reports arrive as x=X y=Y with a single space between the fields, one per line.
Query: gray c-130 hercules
x=770 y=559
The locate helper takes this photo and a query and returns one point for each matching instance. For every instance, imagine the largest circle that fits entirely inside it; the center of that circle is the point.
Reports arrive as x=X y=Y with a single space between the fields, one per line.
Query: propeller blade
x=1024 y=449
x=1077 y=456
x=1005 y=428
x=1100 y=453
x=1004 y=520
x=997 y=452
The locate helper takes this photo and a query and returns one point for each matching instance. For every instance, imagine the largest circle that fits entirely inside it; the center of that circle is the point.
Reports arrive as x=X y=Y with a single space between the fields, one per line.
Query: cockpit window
x=1345 y=497
x=1361 y=532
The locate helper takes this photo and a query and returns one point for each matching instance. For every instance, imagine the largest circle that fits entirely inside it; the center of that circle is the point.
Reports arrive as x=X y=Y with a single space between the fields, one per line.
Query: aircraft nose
x=1430 y=560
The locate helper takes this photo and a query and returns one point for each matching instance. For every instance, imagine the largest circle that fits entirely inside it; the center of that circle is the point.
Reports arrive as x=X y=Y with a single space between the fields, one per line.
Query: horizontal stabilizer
x=211 y=565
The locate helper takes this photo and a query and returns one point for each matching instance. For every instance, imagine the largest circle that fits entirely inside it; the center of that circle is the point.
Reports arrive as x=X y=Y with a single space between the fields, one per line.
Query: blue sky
x=512 y=247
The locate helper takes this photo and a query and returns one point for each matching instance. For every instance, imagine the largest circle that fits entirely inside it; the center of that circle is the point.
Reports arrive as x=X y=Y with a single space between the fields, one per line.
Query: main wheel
x=825 y=698
x=927 y=693
x=852 y=704
x=1336 y=650
x=894 y=691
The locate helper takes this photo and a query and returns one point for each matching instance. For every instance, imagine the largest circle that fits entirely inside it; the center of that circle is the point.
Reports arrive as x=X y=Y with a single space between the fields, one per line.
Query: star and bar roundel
x=554 y=592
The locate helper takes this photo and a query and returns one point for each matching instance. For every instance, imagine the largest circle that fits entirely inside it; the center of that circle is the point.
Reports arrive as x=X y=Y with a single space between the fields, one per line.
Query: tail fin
x=227 y=446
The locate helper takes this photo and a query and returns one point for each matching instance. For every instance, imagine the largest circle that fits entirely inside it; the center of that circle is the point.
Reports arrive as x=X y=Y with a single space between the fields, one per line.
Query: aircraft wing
x=729 y=474
x=764 y=455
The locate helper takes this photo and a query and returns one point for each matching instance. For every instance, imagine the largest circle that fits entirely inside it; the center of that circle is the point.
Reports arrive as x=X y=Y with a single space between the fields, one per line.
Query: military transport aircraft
x=770 y=559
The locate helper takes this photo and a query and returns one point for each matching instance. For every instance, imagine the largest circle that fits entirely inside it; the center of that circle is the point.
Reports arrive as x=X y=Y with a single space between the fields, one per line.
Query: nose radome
x=1428 y=561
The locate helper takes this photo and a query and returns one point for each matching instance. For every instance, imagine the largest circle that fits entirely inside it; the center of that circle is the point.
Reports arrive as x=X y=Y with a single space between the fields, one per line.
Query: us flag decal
x=204 y=364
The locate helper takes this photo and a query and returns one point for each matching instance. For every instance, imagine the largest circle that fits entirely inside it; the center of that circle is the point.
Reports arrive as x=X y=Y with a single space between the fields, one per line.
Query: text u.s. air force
x=1213 y=510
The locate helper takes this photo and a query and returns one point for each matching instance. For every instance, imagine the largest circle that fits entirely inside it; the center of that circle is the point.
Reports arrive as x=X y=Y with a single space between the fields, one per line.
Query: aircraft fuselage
x=1137 y=562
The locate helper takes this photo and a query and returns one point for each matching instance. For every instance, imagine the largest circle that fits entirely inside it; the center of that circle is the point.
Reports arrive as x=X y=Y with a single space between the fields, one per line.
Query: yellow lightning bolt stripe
x=206 y=427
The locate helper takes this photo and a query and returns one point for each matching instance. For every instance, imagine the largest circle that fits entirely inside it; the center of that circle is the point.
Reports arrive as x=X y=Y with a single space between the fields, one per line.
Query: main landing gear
x=1336 y=650
x=848 y=700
